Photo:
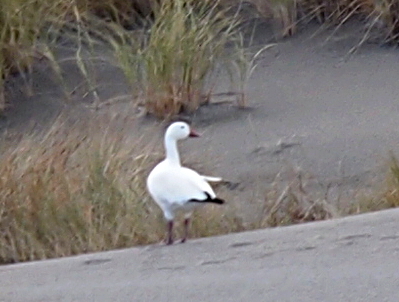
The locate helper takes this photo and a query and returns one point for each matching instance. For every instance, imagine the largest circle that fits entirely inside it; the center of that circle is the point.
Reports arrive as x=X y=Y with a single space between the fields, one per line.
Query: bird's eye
x=182 y=127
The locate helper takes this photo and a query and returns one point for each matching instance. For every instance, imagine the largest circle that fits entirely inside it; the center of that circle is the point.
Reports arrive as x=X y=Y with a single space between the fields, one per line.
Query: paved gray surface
x=350 y=259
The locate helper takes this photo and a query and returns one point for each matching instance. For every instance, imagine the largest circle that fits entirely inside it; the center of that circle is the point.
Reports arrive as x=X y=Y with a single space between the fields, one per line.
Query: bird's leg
x=169 y=240
x=186 y=227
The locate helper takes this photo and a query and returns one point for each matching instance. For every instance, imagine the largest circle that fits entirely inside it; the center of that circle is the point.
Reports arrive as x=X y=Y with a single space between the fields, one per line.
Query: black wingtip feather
x=218 y=201
x=208 y=199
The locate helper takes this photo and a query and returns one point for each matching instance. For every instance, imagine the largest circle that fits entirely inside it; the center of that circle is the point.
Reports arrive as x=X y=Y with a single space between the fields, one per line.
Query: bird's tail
x=212 y=178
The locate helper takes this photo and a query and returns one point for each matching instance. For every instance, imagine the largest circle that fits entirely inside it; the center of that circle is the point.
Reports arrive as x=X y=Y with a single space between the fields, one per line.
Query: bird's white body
x=172 y=186
x=175 y=188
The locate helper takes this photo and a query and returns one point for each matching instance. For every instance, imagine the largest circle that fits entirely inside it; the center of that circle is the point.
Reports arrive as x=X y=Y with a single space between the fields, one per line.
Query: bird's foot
x=183 y=240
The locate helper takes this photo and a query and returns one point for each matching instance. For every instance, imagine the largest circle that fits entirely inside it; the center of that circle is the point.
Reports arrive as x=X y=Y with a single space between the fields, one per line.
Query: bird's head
x=180 y=130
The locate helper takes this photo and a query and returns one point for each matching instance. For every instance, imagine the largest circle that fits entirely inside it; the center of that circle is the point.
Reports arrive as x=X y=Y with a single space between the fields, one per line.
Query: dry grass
x=81 y=188
x=171 y=65
x=386 y=198
x=382 y=15
x=26 y=25
x=20 y=25
x=387 y=13
x=298 y=202
x=294 y=204
x=73 y=190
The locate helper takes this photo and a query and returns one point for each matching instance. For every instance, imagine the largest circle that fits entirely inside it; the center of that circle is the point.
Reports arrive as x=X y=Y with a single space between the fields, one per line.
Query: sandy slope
x=314 y=107
x=353 y=259
x=311 y=106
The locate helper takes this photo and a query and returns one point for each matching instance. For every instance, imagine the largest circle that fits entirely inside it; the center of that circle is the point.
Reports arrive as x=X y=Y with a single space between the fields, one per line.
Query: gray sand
x=352 y=259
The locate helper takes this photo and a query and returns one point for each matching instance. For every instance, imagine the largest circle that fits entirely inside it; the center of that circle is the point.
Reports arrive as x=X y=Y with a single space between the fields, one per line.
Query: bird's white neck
x=172 y=154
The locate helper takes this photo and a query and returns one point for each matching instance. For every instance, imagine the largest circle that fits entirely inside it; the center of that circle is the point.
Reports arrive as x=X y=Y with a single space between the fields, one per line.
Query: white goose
x=176 y=188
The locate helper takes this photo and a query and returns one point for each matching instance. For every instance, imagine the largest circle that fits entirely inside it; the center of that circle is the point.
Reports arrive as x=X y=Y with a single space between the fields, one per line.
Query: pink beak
x=194 y=134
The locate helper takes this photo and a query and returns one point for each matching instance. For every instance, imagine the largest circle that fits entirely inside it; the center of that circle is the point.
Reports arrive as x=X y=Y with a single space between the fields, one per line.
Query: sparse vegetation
x=160 y=62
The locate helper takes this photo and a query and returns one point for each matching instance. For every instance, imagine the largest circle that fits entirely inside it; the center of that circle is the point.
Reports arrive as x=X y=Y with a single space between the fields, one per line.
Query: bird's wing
x=199 y=182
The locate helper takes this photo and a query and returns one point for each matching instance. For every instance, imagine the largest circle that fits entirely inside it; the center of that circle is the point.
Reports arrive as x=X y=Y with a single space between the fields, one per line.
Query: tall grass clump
x=178 y=55
x=73 y=190
x=20 y=25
